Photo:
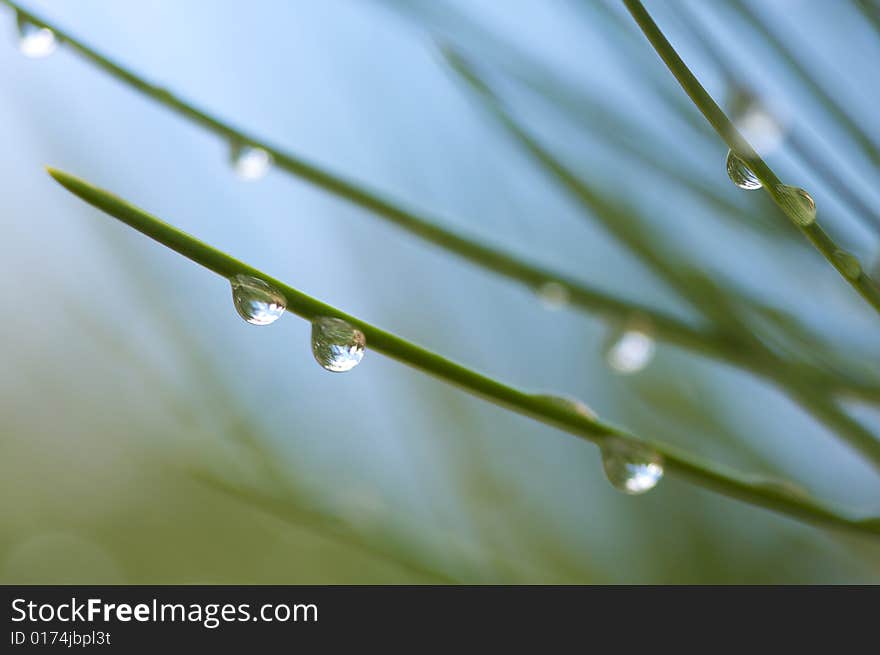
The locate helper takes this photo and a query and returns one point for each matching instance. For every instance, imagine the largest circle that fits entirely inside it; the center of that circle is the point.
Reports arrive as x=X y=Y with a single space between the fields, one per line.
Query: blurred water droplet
x=740 y=174
x=631 y=350
x=33 y=40
x=337 y=345
x=762 y=128
x=256 y=301
x=848 y=263
x=553 y=295
x=631 y=468
x=799 y=204
x=249 y=162
x=571 y=404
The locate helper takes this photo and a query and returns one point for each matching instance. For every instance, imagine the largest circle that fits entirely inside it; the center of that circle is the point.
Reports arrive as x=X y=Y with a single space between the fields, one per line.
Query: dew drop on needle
x=630 y=468
x=798 y=204
x=34 y=40
x=337 y=345
x=763 y=128
x=249 y=162
x=256 y=301
x=553 y=295
x=631 y=350
x=740 y=174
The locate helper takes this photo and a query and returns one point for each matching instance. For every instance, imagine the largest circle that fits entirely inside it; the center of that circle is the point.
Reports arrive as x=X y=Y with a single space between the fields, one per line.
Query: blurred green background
x=151 y=436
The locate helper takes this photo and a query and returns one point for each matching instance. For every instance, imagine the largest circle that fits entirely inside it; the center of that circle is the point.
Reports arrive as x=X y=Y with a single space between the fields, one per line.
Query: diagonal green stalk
x=861 y=282
x=763 y=492
x=794 y=381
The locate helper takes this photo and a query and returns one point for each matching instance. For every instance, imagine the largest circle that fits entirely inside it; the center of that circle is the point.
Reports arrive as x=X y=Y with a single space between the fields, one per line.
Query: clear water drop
x=553 y=295
x=249 y=162
x=631 y=468
x=256 y=301
x=571 y=404
x=740 y=174
x=35 y=41
x=799 y=204
x=848 y=264
x=337 y=345
x=631 y=351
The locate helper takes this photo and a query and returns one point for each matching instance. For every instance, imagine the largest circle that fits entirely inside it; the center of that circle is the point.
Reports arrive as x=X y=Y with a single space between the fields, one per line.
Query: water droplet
x=337 y=345
x=760 y=126
x=249 y=162
x=553 y=295
x=571 y=404
x=799 y=204
x=848 y=264
x=631 y=468
x=35 y=41
x=740 y=174
x=256 y=301
x=631 y=351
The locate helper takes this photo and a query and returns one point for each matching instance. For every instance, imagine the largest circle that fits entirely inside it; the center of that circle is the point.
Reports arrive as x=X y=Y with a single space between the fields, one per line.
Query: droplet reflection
x=740 y=174
x=799 y=204
x=631 y=468
x=337 y=345
x=256 y=301
x=553 y=295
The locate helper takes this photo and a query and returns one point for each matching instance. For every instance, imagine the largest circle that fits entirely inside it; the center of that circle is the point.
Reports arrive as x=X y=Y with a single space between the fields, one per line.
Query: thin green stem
x=758 y=491
x=862 y=283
